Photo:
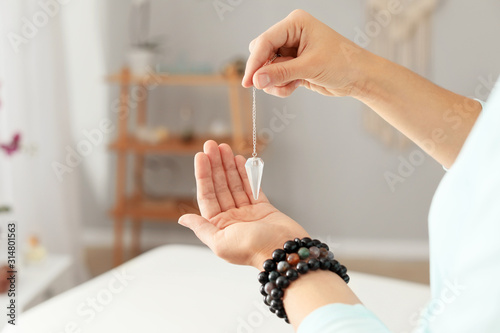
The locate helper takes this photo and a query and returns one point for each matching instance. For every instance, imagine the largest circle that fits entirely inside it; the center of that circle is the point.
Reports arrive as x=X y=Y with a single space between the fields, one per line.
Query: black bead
x=263 y=277
x=346 y=278
x=273 y=310
x=324 y=263
x=290 y=247
x=269 y=265
x=263 y=290
x=342 y=270
x=279 y=255
x=281 y=313
x=335 y=266
x=306 y=242
x=323 y=245
x=265 y=300
x=302 y=267
x=286 y=320
x=313 y=264
x=273 y=276
x=298 y=241
x=277 y=293
x=292 y=274
x=268 y=300
x=316 y=242
x=277 y=304
x=282 y=282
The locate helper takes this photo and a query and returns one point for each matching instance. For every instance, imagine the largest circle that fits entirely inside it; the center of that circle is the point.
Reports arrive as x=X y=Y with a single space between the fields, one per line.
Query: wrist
x=365 y=74
x=292 y=263
x=264 y=254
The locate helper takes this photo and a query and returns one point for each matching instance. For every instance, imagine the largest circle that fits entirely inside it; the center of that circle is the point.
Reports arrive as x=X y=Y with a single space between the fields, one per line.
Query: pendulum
x=254 y=164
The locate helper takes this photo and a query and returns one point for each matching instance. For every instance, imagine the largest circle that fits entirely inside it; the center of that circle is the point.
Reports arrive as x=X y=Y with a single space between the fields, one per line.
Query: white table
x=178 y=288
x=34 y=280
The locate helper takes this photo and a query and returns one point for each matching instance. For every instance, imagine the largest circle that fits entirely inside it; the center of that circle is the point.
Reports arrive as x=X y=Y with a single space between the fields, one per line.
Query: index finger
x=285 y=33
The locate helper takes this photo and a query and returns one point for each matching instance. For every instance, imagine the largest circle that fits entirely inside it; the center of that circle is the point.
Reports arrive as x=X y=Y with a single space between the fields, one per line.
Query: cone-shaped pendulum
x=254 y=167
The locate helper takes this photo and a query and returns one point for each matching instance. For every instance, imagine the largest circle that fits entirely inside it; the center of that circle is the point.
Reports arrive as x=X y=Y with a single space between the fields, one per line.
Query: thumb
x=202 y=228
x=280 y=73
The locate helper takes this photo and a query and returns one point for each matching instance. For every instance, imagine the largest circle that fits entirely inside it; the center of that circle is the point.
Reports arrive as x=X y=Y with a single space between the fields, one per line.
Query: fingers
x=285 y=90
x=288 y=52
x=205 y=192
x=204 y=230
x=281 y=72
x=285 y=33
x=240 y=165
x=233 y=176
x=222 y=192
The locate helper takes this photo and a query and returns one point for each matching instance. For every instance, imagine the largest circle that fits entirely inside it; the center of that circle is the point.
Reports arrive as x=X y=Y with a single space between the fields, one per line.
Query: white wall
x=324 y=170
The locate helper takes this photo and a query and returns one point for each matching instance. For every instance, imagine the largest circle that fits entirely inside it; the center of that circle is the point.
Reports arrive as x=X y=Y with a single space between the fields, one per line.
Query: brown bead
x=323 y=253
x=293 y=259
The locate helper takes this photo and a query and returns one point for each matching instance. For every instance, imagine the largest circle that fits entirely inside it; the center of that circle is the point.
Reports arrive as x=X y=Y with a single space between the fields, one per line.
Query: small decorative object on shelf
x=235 y=67
x=219 y=129
x=35 y=252
x=152 y=135
x=187 y=128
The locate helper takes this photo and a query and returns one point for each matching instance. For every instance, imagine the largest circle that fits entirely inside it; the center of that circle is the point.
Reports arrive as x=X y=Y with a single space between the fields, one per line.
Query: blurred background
x=85 y=172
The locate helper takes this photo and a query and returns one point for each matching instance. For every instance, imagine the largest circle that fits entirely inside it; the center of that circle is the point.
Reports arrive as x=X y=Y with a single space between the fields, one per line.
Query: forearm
x=314 y=290
x=434 y=118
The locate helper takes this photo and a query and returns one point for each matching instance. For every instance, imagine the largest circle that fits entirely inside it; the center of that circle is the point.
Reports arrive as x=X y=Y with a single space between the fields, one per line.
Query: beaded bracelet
x=298 y=256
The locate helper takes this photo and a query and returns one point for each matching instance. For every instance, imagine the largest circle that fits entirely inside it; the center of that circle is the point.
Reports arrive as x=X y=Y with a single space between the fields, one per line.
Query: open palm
x=236 y=227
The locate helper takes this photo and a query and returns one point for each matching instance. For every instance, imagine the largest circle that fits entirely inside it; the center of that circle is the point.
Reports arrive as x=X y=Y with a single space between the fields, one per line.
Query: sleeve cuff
x=342 y=318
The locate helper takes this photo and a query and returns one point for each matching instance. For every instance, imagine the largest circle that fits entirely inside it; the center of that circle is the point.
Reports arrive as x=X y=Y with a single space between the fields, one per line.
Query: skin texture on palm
x=232 y=224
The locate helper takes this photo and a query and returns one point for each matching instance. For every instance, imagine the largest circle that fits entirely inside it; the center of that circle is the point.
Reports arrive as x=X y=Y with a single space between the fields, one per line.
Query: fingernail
x=263 y=81
x=180 y=222
x=297 y=83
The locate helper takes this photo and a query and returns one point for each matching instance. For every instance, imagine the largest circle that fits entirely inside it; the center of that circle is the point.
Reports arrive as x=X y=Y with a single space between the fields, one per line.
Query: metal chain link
x=254 y=111
x=254 y=121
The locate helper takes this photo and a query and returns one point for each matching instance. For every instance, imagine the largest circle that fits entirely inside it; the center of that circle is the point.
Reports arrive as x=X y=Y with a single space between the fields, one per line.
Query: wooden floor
x=99 y=260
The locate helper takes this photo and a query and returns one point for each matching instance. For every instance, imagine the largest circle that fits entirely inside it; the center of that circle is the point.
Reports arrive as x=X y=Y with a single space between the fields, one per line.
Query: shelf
x=136 y=208
x=173 y=145
x=176 y=79
x=167 y=209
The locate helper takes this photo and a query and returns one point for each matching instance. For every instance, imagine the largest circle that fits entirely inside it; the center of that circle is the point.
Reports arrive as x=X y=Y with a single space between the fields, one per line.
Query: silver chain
x=254 y=118
x=254 y=111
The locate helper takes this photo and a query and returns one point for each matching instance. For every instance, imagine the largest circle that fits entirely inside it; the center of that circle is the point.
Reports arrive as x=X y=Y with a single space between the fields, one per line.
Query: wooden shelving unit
x=135 y=205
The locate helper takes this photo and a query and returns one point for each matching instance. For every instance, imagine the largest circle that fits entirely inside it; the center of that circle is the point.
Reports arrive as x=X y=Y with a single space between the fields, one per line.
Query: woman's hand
x=232 y=224
x=313 y=55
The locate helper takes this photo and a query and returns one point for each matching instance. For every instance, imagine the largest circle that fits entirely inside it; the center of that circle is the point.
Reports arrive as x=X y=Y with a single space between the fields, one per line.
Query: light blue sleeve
x=342 y=318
